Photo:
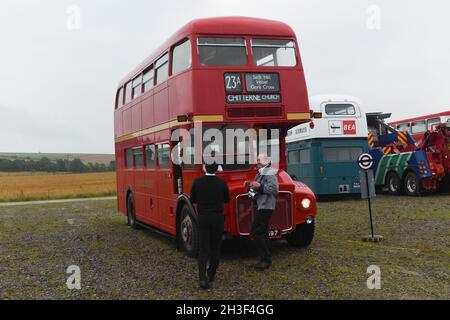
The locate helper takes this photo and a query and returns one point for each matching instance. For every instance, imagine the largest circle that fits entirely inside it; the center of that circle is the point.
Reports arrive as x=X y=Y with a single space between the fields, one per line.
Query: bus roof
x=218 y=26
x=434 y=115
x=316 y=101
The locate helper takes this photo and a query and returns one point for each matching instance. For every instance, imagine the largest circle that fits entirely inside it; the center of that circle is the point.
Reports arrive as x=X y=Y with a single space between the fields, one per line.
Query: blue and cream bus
x=323 y=153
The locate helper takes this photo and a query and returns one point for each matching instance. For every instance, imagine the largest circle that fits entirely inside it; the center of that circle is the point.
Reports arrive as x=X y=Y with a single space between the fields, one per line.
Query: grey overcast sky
x=57 y=85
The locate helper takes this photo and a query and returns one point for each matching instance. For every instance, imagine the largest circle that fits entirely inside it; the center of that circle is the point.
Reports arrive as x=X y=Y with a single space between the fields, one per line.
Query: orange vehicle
x=223 y=73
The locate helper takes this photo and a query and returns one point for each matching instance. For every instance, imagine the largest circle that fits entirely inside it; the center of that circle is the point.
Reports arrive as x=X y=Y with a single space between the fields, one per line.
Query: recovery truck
x=405 y=166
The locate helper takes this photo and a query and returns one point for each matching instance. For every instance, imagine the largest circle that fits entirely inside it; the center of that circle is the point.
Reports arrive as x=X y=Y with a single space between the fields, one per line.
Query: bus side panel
x=180 y=95
x=148 y=118
x=161 y=103
x=127 y=120
x=118 y=123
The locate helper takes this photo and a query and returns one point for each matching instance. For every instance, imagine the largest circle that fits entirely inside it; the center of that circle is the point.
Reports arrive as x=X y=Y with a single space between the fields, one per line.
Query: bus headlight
x=306 y=203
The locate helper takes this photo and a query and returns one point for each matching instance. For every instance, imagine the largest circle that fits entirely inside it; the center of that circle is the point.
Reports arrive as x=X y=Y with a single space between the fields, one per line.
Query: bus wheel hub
x=186 y=230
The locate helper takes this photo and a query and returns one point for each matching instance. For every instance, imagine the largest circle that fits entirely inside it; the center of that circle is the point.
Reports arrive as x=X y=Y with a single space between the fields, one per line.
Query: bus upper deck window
x=273 y=53
x=137 y=86
x=119 y=102
x=418 y=126
x=128 y=92
x=147 y=78
x=222 y=51
x=162 y=69
x=181 y=57
x=404 y=127
x=340 y=109
x=432 y=123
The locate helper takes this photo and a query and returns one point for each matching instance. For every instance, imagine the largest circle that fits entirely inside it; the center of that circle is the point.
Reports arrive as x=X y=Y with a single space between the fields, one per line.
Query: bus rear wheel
x=302 y=236
x=412 y=184
x=188 y=229
x=394 y=184
x=131 y=213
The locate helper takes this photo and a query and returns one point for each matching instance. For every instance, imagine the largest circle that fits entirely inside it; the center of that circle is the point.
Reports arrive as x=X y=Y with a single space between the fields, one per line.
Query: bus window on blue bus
x=341 y=154
x=293 y=156
x=340 y=109
x=299 y=156
x=305 y=156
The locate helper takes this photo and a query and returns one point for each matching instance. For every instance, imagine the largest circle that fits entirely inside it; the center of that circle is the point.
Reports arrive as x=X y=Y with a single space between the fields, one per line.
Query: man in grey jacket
x=266 y=188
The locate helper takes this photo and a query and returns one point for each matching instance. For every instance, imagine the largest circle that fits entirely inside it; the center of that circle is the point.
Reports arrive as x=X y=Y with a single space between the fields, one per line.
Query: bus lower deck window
x=150 y=160
x=164 y=156
x=138 y=158
x=129 y=158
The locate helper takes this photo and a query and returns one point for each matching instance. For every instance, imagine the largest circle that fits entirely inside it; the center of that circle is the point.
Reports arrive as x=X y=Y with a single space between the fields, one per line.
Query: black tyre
x=131 y=213
x=412 y=184
x=302 y=236
x=188 y=232
x=394 y=184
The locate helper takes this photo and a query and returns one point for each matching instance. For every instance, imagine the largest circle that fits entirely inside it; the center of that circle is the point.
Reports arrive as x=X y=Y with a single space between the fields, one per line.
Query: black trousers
x=210 y=232
x=260 y=233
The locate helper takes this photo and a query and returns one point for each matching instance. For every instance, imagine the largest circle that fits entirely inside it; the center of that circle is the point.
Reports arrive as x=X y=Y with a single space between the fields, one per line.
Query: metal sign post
x=365 y=162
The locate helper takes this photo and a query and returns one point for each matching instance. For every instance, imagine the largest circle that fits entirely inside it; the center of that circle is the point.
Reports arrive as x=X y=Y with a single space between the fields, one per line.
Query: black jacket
x=210 y=193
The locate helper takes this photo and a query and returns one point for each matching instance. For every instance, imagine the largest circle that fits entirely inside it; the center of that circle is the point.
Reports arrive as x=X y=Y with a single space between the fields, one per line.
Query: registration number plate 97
x=274 y=233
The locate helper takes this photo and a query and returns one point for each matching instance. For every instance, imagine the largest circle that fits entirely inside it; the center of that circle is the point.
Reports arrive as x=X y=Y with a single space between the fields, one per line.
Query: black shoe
x=262 y=265
x=204 y=284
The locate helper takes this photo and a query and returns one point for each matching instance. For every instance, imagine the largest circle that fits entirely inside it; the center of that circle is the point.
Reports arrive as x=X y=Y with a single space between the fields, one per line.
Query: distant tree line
x=59 y=165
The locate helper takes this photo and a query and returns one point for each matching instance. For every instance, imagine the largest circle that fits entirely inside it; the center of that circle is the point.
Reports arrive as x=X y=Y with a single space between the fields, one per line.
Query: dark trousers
x=260 y=233
x=210 y=232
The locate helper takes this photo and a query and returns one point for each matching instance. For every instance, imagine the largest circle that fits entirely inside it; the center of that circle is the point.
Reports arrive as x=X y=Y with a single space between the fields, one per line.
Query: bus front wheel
x=188 y=229
x=302 y=236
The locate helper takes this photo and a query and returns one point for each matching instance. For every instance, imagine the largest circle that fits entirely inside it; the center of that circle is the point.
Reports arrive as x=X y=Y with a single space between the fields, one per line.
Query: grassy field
x=41 y=186
x=38 y=243
x=84 y=157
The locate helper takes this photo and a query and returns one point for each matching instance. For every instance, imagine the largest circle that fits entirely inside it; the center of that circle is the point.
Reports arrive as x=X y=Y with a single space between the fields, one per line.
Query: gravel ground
x=39 y=242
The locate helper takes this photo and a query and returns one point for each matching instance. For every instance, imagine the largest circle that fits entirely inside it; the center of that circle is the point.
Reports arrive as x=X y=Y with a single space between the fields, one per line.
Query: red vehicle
x=419 y=125
x=230 y=72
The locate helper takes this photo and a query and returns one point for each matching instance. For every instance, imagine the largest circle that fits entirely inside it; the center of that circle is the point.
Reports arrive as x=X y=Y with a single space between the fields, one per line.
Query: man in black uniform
x=210 y=193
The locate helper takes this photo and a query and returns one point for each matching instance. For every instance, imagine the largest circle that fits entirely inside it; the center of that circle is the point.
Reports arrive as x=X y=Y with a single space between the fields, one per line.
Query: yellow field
x=37 y=186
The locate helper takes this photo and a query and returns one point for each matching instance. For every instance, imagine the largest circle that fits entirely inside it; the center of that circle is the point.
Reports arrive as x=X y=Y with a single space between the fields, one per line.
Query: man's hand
x=255 y=184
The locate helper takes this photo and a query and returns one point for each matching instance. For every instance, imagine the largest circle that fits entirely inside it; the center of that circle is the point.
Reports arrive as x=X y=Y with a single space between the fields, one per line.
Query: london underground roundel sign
x=365 y=161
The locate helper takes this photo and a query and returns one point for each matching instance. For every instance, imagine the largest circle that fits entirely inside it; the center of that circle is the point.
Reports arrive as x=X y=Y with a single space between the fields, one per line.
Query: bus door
x=151 y=212
x=339 y=172
x=300 y=166
x=164 y=188
x=139 y=183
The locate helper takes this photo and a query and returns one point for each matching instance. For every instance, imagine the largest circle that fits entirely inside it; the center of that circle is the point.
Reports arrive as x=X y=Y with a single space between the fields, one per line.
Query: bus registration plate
x=274 y=233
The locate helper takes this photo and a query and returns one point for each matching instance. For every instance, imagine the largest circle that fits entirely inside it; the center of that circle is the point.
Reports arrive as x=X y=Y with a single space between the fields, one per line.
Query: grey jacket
x=267 y=192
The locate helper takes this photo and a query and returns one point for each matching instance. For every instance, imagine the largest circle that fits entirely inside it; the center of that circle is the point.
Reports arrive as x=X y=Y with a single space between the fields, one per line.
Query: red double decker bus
x=419 y=125
x=225 y=73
